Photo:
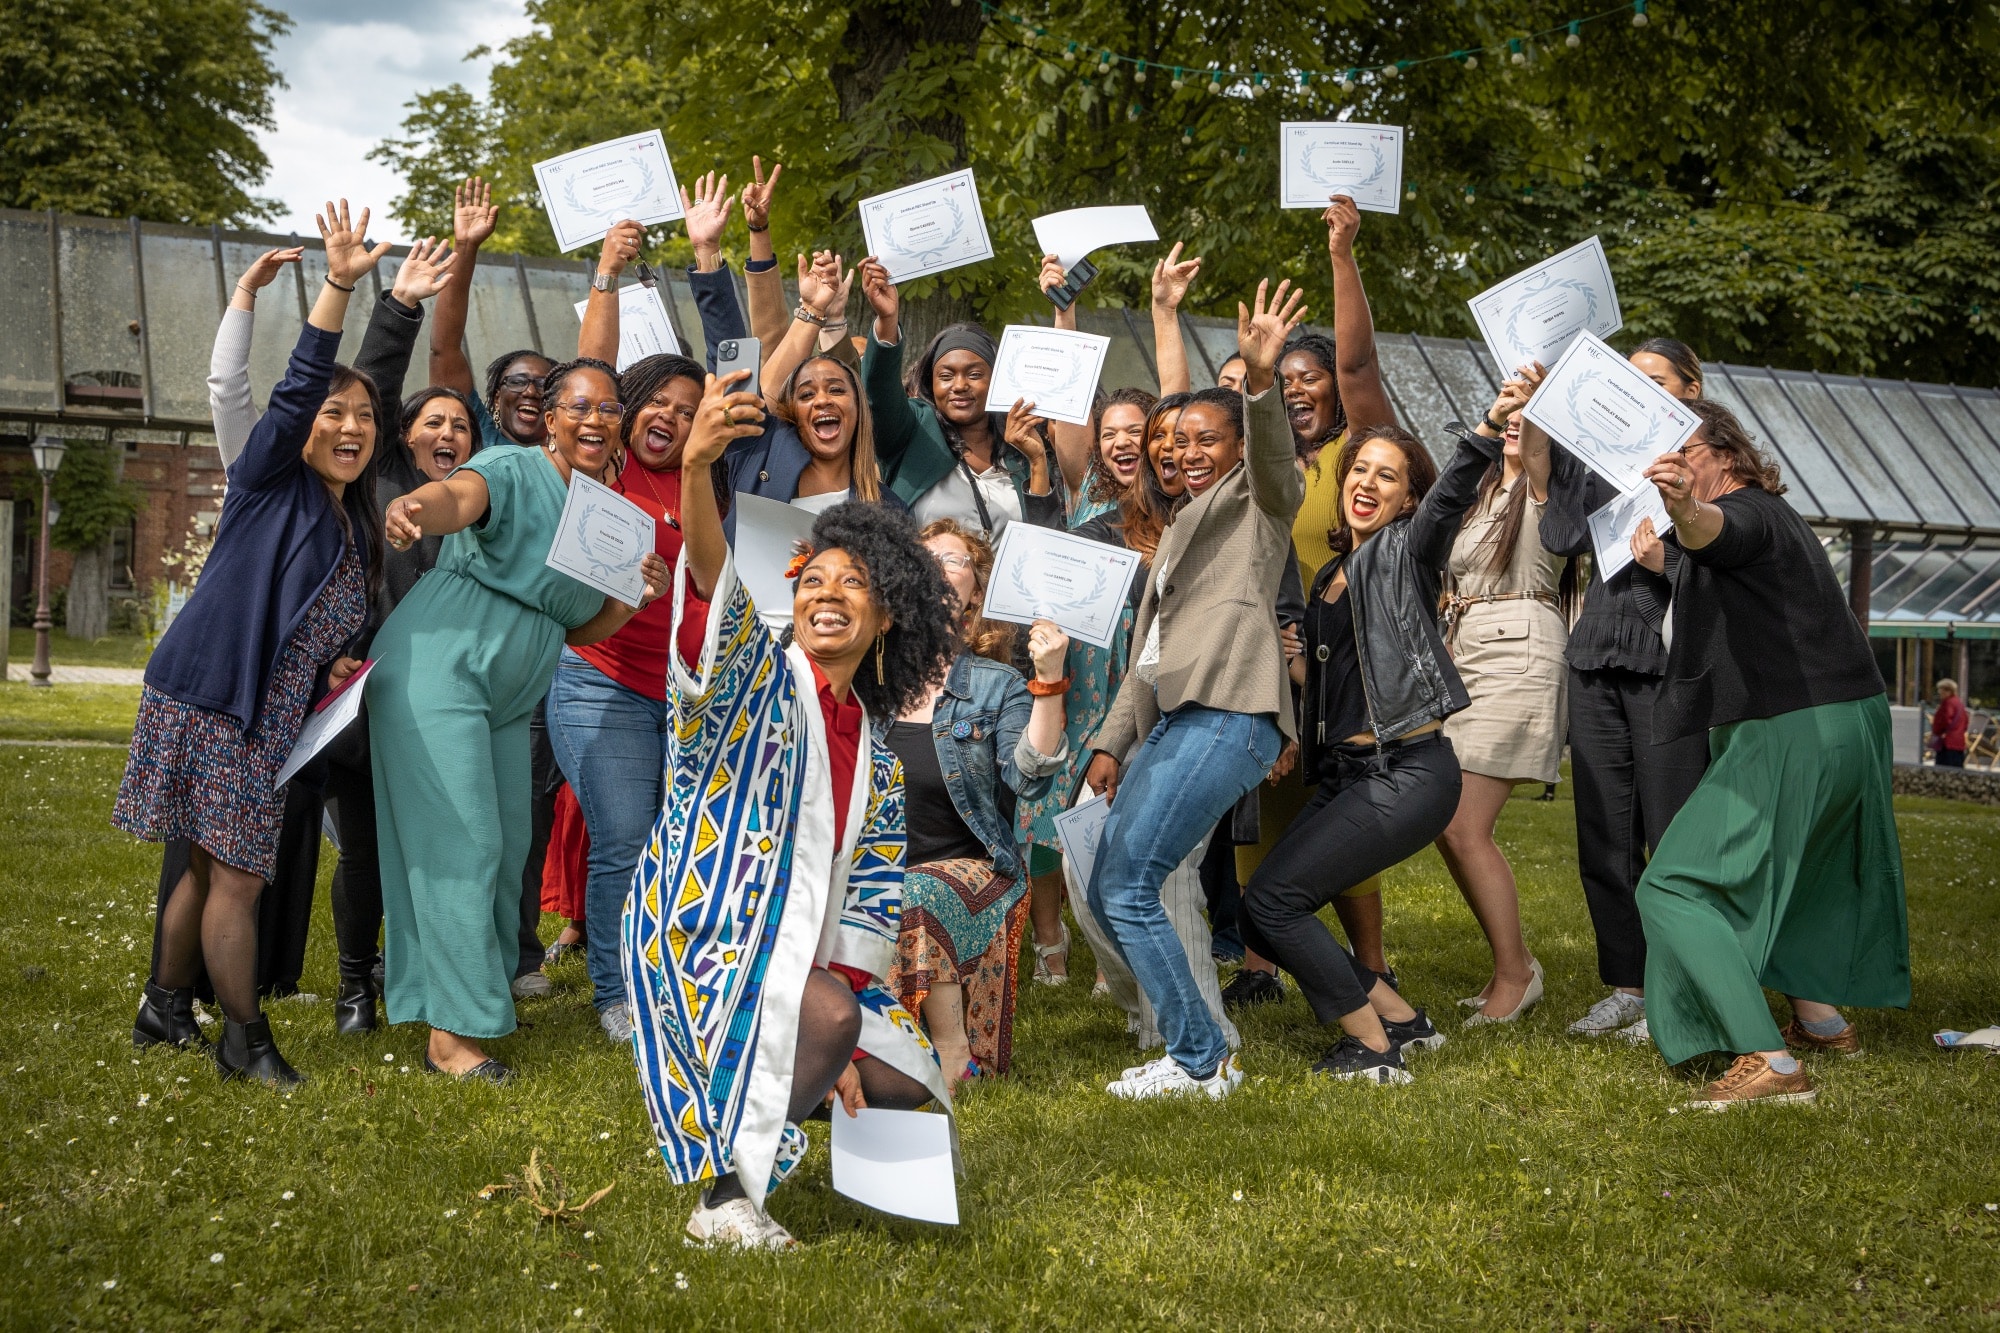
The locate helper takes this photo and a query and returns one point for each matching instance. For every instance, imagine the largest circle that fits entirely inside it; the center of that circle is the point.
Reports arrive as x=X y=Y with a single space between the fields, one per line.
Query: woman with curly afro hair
x=763 y=918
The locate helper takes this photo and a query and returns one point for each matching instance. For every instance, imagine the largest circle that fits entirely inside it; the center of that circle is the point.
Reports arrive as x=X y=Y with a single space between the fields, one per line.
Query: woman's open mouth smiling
x=826 y=426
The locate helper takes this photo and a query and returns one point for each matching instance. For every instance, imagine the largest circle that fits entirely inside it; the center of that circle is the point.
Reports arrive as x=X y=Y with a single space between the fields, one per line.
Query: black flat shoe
x=488 y=1070
x=166 y=1018
x=247 y=1051
x=354 y=1007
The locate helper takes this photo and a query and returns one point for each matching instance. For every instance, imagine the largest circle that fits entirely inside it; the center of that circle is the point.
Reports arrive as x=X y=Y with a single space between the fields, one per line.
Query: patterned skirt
x=962 y=922
x=196 y=774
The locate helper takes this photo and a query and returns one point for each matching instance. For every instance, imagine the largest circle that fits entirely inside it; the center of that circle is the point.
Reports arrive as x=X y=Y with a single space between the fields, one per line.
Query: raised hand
x=823 y=283
x=473 y=213
x=1515 y=393
x=1342 y=221
x=1648 y=549
x=1052 y=273
x=1172 y=277
x=347 y=252
x=1024 y=430
x=425 y=271
x=1048 y=650
x=724 y=414
x=882 y=298
x=264 y=268
x=1261 y=333
x=757 y=194
x=621 y=247
x=707 y=211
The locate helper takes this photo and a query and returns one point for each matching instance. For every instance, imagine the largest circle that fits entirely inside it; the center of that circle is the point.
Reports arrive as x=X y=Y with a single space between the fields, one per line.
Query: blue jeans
x=612 y=745
x=1195 y=765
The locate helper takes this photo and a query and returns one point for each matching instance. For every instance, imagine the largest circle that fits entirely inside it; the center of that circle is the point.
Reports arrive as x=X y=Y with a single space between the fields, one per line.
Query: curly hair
x=906 y=581
x=1098 y=483
x=1320 y=348
x=1417 y=463
x=1722 y=431
x=986 y=638
x=864 y=473
x=637 y=384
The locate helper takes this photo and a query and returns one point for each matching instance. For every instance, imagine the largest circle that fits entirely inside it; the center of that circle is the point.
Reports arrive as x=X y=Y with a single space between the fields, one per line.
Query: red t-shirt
x=637 y=655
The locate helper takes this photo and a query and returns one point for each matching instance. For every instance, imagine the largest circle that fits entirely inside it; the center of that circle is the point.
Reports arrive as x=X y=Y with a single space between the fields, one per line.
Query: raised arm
x=763 y=285
x=599 y=335
x=895 y=421
x=723 y=415
x=398 y=317
x=1437 y=519
x=1575 y=493
x=1073 y=443
x=1268 y=453
x=230 y=405
x=1357 y=372
x=1172 y=277
x=473 y=214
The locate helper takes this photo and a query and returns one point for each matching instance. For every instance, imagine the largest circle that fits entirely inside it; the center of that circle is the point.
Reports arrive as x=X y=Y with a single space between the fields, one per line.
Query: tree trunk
x=89 y=603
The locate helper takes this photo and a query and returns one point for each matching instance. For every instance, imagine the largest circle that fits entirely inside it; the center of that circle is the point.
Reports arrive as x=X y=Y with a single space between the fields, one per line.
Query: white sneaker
x=1137 y=1070
x=1638 y=1034
x=1164 y=1078
x=738 y=1223
x=1616 y=1010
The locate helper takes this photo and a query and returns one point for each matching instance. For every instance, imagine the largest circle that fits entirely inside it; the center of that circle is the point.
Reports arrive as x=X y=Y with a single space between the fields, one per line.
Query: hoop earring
x=878 y=659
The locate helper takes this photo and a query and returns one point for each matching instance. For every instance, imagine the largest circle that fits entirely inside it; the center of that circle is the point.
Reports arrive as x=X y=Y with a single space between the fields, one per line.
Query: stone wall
x=1951 y=784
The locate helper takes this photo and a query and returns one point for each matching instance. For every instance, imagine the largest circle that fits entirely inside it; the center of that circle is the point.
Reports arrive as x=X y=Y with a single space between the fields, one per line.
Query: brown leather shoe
x=1751 y=1079
x=1845 y=1042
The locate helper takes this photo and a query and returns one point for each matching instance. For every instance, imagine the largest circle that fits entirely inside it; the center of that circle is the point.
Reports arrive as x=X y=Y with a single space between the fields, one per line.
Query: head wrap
x=965 y=338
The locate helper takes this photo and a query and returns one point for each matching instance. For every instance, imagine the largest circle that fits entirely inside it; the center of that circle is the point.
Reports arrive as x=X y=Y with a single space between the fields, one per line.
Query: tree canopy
x=141 y=108
x=1808 y=184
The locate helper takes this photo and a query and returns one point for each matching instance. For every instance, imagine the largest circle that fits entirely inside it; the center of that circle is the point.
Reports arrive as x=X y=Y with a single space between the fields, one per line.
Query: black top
x=936 y=831
x=1619 y=627
x=1760 y=626
x=1333 y=674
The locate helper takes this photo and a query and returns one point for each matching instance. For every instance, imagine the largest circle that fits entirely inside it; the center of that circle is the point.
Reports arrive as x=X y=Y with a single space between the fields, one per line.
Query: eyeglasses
x=519 y=381
x=955 y=562
x=577 y=411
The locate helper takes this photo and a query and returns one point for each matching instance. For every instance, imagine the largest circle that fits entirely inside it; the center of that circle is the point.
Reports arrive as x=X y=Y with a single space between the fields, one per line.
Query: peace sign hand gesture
x=757 y=196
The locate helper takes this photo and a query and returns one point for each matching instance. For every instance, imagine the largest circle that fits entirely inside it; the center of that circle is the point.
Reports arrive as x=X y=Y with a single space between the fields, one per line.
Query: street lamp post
x=48 y=451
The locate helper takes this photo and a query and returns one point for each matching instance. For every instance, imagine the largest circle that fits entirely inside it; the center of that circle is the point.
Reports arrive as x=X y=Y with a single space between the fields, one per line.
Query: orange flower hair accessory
x=802 y=555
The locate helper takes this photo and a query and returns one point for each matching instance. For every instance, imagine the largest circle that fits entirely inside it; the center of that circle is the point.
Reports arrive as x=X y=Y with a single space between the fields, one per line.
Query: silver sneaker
x=532 y=985
x=1610 y=1014
x=616 y=1020
x=1638 y=1034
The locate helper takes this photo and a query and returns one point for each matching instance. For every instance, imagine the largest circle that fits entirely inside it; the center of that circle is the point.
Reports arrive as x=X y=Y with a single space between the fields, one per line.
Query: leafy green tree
x=144 y=108
x=1805 y=184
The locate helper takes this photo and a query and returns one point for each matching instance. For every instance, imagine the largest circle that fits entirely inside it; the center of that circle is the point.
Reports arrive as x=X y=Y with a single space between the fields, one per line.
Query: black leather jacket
x=1393 y=583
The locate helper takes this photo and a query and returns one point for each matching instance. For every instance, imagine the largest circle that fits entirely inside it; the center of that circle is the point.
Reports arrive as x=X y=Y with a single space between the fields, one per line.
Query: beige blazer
x=1222 y=558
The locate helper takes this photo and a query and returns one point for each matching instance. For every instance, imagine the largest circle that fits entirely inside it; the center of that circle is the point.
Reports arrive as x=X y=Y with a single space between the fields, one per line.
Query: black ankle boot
x=354 y=1006
x=247 y=1051
x=166 y=1017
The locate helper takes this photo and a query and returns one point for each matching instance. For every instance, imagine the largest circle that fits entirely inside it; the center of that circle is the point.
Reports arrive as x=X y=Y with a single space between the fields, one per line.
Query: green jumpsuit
x=459 y=667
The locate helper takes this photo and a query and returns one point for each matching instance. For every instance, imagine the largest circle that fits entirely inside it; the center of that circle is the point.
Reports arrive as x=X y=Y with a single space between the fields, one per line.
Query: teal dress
x=459 y=667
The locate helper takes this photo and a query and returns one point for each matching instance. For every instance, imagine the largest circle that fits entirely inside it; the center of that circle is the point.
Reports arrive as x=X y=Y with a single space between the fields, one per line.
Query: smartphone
x=1064 y=294
x=734 y=354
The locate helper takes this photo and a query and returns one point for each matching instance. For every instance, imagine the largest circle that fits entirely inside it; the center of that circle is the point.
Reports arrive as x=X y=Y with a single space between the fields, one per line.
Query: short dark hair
x=905 y=580
x=1417 y=462
x=496 y=369
x=1228 y=400
x=1320 y=348
x=1723 y=432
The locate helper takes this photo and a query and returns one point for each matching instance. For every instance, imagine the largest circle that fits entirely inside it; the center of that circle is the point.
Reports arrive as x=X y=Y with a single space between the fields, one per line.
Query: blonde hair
x=1947 y=683
x=986 y=638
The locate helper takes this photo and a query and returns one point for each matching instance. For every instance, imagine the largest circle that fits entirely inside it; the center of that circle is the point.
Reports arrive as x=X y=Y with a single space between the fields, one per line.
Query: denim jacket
x=980 y=728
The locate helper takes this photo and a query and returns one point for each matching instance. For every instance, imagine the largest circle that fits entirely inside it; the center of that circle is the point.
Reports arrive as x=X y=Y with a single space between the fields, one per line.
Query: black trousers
x=548 y=780
x=357 y=876
x=1218 y=878
x=1627 y=791
x=1377 y=811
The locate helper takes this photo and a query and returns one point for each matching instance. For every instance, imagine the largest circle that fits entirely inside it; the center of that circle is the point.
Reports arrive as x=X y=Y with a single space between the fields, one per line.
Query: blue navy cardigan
x=277 y=544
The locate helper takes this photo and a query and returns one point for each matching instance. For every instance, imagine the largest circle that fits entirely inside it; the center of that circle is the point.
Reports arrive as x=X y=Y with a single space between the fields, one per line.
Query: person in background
x=974 y=730
x=283 y=594
x=1783 y=869
x=1213 y=673
x=1627 y=789
x=459 y=667
x=1948 y=726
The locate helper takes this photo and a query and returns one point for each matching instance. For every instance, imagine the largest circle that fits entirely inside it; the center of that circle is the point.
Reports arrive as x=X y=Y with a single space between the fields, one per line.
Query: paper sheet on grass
x=900 y=1162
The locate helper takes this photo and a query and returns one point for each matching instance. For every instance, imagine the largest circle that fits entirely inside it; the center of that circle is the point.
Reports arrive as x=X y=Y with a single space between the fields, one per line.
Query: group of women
x=804 y=865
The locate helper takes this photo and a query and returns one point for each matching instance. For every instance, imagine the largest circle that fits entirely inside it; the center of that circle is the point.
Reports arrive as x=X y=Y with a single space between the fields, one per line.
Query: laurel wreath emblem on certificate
x=944 y=241
x=645 y=191
x=590 y=534
x=1540 y=284
x=1019 y=579
x=1308 y=166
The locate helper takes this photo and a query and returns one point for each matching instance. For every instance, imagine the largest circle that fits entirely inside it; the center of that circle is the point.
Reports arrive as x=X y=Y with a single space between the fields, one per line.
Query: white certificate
x=1046 y=574
x=643 y=327
x=1534 y=315
x=1079 y=832
x=601 y=540
x=1072 y=235
x=927 y=228
x=1603 y=409
x=767 y=536
x=1612 y=526
x=901 y=1162
x=1319 y=159
x=588 y=190
x=333 y=715
x=1055 y=369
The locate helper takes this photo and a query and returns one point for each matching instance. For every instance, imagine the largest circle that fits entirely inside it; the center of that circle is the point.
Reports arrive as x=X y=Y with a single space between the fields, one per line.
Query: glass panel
x=1981 y=454
x=180 y=314
x=276 y=330
x=1813 y=477
x=1903 y=575
x=555 y=292
x=1200 y=374
x=1124 y=366
x=1945 y=462
x=1462 y=370
x=100 y=307
x=1879 y=467
x=1418 y=397
x=497 y=321
x=686 y=317
x=27 y=362
x=418 y=374
x=1218 y=339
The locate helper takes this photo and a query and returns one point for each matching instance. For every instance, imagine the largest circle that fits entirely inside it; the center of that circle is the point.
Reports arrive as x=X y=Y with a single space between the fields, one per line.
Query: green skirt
x=1781 y=871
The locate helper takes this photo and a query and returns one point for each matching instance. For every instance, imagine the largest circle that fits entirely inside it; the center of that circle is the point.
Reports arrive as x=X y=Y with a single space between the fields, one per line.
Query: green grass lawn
x=67 y=712
x=113 y=650
x=1525 y=1180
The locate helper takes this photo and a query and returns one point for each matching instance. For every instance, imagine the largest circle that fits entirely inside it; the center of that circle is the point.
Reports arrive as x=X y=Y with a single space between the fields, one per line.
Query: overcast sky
x=351 y=66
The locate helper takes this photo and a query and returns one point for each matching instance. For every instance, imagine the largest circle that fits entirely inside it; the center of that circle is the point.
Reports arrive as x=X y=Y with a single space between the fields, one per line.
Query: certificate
x=643 y=327
x=1534 y=315
x=1612 y=526
x=1603 y=409
x=1079 y=832
x=1055 y=369
x=768 y=533
x=331 y=716
x=1045 y=574
x=588 y=190
x=1322 y=158
x=601 y=540
x=1072 y=235
x=927 y=228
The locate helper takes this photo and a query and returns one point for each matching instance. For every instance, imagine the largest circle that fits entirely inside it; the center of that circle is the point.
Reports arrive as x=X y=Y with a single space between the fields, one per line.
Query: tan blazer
x=1223 y=556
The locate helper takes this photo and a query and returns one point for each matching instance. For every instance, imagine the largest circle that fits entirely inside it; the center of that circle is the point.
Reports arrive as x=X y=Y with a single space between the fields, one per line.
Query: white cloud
x=351 y=67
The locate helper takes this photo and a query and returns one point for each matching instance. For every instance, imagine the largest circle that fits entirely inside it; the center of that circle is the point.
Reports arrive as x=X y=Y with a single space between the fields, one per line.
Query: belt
x=1457 y=604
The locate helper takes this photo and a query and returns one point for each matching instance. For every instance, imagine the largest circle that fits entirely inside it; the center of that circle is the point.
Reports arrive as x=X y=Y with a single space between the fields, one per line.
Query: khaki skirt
x=1510 y=656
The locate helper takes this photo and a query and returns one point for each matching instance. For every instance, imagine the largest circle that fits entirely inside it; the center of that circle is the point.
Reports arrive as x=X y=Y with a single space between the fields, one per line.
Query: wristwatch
x=602 y=282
